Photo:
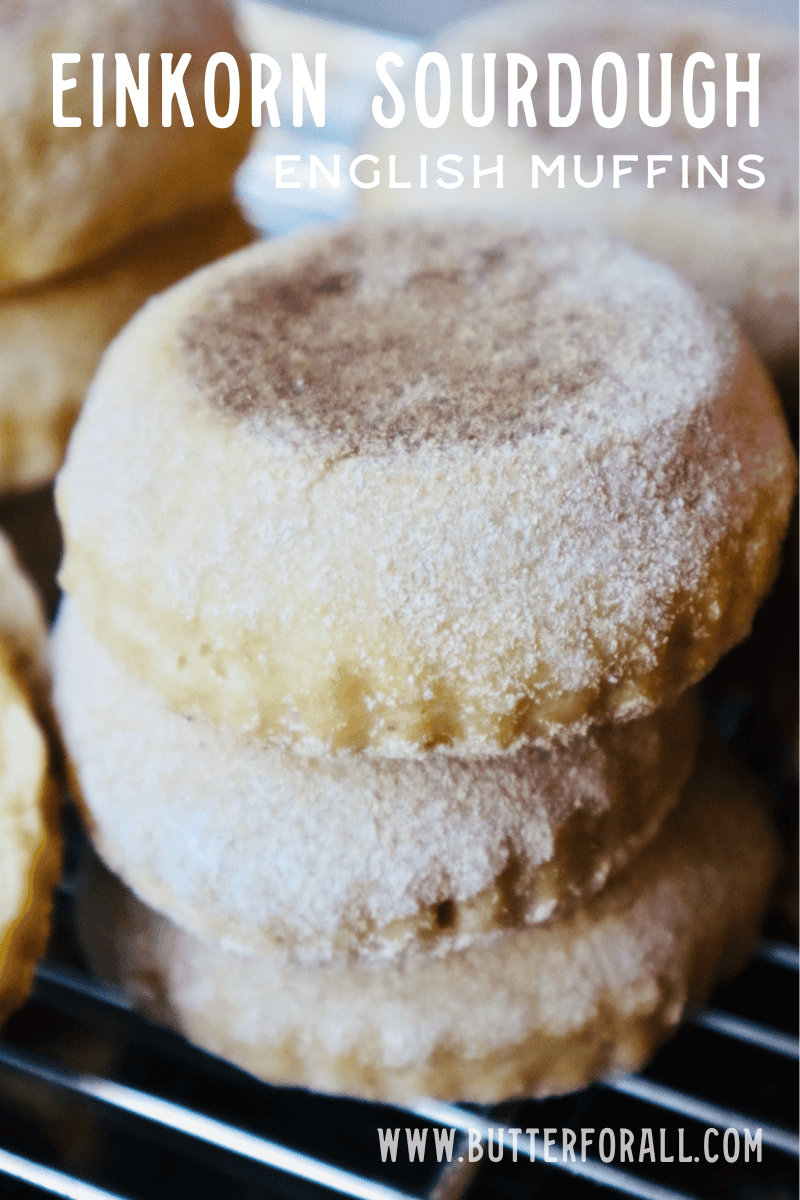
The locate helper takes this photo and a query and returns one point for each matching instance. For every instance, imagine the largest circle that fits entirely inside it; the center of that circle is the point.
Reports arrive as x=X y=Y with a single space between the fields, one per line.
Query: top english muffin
x=426 y=484
x=69 y=193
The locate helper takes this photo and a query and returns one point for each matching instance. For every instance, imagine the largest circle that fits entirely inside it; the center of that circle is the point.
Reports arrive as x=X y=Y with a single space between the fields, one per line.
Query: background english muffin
x=737 y=243
x=53 y=334
x=68 y=195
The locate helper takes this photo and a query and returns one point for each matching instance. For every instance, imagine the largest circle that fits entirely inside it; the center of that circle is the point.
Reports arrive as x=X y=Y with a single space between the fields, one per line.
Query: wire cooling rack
x=96 y=1102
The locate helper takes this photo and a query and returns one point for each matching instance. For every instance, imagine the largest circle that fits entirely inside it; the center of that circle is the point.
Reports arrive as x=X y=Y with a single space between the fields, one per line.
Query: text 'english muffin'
x=390 y=487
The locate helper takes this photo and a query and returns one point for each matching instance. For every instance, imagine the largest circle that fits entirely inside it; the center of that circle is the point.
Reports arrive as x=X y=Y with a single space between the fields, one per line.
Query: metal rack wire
x=658 y=1104
x=152 y=1114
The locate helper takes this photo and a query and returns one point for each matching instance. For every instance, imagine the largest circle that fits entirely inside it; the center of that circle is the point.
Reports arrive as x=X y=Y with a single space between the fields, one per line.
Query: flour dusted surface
x=547 y=491
x=255 y=847
x=532 y=1012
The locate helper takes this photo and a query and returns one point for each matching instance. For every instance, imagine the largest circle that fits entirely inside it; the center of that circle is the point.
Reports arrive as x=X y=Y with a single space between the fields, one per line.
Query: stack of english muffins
x=393 y=553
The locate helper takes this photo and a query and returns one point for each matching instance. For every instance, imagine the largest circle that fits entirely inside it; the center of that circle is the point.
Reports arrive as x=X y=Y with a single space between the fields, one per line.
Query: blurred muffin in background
x=53 y=334
x=97 y=217
x=68 y=194
x=737 y=242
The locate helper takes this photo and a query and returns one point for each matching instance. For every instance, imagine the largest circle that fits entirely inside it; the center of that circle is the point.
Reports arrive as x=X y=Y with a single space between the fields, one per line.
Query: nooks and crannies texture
x=425 y=485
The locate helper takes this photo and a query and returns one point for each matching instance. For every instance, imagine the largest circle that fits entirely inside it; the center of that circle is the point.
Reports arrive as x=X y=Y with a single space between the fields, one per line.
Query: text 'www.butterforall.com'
x=570 y=1145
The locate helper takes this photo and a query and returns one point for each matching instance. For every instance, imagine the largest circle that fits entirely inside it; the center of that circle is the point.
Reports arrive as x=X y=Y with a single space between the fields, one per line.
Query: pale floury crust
x=738 y=244
x=390 y=488
x=532 y=1013
x=255 y=847
x=23 y=631
x=69 y=194
x=30 y=845
x=53 y=334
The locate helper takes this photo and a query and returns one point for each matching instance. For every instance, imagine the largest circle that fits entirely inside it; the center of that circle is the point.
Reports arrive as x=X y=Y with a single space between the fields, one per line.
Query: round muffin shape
x=738 y=243
x=425 y=484
x=534 y=1012
x=256 y=847
x=52 y=335
x=69 y=194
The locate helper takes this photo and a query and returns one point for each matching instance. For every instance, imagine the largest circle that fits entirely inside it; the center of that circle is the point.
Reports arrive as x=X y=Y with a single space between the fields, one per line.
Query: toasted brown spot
x=393 y=336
